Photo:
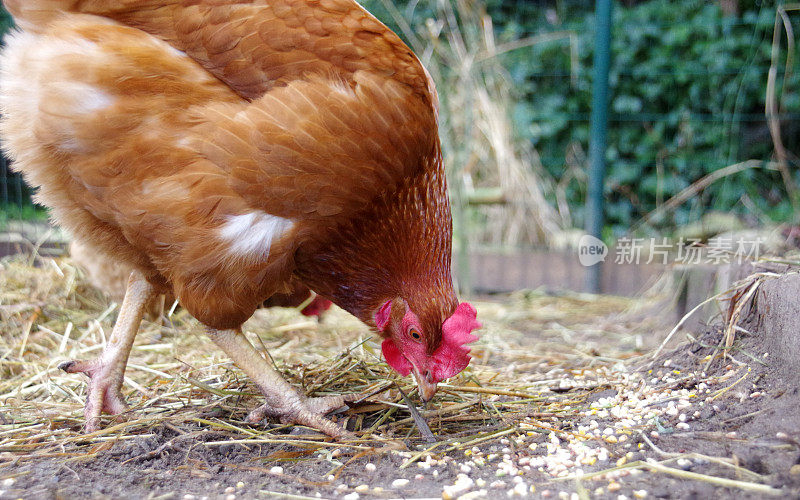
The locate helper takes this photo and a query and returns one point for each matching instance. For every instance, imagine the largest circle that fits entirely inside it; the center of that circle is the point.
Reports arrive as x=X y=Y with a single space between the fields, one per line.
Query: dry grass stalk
x=772 y=106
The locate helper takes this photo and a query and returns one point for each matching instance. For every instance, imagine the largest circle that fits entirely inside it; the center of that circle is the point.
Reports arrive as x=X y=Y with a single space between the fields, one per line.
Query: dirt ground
x=606 y=421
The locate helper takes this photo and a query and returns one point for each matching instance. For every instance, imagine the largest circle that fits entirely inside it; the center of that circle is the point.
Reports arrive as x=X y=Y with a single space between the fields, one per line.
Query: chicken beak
x=425 y=384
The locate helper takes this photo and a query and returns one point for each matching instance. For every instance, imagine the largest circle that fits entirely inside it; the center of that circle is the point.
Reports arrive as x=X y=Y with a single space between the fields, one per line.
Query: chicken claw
x=283 y=401
x=305 y=411
x=107 y=370
x=103 y=395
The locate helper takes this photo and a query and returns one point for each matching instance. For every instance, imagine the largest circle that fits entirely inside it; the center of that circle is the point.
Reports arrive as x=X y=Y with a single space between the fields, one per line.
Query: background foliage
x=688 y=85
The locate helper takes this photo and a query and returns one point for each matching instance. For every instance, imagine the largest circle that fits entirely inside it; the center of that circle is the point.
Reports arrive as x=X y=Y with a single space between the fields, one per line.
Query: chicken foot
x=283 y=401
x=107 y=370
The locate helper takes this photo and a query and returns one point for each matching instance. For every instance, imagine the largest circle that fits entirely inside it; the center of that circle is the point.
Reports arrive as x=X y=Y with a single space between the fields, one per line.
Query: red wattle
x=394 y=358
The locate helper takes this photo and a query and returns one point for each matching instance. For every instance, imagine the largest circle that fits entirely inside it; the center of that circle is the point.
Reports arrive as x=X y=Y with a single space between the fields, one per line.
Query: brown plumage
x=110 y=276
x=224 y=149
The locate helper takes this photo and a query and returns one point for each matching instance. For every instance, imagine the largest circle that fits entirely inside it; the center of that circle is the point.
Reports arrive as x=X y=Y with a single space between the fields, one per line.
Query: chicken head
x=407 y=347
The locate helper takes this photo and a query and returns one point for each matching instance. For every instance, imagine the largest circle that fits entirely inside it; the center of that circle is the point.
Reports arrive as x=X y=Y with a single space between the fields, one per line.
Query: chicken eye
x=415 y=334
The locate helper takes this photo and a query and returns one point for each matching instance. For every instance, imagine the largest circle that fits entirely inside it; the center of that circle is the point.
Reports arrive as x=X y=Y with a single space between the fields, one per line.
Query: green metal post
x=597 y=144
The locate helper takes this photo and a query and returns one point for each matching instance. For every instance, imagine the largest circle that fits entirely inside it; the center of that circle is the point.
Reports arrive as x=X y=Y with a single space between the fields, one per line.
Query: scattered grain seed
x=362 y=488
x=399 y=483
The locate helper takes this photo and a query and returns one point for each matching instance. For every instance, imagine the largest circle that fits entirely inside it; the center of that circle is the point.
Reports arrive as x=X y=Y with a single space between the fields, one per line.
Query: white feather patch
x=252 y=234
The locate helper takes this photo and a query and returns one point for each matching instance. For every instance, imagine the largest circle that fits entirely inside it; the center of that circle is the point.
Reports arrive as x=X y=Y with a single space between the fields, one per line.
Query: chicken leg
x=107 y=370
x=283 y=401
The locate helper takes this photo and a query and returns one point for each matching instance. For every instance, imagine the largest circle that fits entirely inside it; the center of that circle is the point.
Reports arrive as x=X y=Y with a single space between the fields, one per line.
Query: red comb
x=453 y=355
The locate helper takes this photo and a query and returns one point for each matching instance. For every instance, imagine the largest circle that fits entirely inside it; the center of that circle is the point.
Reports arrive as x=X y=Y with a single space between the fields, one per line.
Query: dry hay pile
x=553 y=402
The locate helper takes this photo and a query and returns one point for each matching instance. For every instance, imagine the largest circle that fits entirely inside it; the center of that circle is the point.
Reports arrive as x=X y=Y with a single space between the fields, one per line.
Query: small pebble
x=9 y=481
x=370 y=467
x=230 y=489
x=640 y=494
x=472 y=495
x=399 y=483
x=795 y=470
x=351 y=496
x=279 y=470
x=188 y=496
x=521 y=489
x=613 y=486
x=230 y=497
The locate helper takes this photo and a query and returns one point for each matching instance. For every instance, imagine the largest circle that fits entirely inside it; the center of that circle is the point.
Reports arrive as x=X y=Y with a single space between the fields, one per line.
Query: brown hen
x=226 y=148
